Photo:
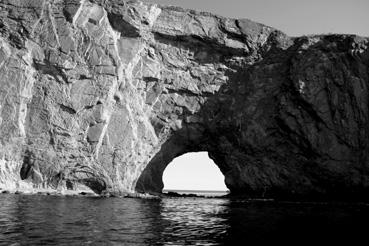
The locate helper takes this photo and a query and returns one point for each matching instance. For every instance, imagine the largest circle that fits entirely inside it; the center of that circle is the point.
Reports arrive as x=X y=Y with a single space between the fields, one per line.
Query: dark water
x=48 y=220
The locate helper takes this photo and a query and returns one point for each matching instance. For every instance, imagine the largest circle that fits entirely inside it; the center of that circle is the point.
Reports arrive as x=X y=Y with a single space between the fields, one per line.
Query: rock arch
x=100 y=97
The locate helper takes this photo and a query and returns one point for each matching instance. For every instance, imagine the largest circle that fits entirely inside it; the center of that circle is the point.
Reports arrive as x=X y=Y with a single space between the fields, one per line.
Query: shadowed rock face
x=107 y=93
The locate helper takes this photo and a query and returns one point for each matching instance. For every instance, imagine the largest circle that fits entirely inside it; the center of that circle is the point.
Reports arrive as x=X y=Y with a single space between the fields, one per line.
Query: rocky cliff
x=105 y=94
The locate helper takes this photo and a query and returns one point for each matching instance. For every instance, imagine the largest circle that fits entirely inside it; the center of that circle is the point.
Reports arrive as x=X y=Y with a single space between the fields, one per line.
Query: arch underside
x=151 y=179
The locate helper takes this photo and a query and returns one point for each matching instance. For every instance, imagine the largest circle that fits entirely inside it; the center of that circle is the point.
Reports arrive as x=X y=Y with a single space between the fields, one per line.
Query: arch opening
x=193 y=172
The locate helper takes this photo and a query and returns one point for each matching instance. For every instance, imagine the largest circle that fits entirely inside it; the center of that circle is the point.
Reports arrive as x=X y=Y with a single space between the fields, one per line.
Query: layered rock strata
x=105 y=94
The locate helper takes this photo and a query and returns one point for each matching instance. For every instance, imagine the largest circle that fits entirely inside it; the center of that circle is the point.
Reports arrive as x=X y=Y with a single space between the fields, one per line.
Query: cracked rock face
x=106 y=93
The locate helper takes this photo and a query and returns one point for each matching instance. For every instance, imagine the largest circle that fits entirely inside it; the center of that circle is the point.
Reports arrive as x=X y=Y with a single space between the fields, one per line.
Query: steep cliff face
x=106 y=93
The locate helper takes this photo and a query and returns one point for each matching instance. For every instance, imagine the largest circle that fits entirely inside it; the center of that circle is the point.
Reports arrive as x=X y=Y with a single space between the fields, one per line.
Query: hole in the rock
x=193 y=172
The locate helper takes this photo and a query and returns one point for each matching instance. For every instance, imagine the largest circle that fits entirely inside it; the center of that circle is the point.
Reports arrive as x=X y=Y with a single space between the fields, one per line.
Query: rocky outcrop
x=106 y=93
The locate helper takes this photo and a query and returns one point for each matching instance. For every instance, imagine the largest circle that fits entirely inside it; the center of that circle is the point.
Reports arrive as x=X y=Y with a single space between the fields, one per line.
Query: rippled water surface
x=52 y=220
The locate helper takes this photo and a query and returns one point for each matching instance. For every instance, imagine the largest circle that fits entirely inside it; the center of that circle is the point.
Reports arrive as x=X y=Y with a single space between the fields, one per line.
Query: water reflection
x=194 y=221
x=47 y=220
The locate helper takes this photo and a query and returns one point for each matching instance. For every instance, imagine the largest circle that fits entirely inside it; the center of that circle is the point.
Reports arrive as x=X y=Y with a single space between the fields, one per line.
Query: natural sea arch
x=109 y=99
x=153 y=178
x=193 y=171
x=188 y=140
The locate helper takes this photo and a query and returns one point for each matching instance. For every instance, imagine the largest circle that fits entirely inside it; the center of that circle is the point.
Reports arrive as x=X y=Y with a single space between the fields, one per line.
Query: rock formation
x=106 y=93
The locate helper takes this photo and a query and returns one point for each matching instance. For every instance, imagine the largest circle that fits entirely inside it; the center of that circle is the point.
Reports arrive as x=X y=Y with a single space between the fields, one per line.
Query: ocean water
x=55 y=220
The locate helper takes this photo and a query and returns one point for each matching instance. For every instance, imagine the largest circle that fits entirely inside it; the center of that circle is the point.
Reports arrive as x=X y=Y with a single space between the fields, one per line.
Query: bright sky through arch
x=193 y=171
x=293 y=17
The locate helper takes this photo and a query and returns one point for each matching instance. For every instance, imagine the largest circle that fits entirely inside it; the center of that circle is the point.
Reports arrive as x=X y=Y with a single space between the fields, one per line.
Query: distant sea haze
x=199 y=192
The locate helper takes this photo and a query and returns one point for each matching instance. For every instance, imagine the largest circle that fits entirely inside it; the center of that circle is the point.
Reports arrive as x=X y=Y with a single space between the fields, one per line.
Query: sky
x=293 y=17
x=196 y=171
x=193 y=171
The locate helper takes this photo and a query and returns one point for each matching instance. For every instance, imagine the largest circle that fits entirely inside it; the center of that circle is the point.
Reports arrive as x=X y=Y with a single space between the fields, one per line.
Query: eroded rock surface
x=106 y=93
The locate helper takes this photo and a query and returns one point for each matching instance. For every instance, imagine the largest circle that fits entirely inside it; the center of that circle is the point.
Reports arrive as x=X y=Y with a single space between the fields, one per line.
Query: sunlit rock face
x=106 y=93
